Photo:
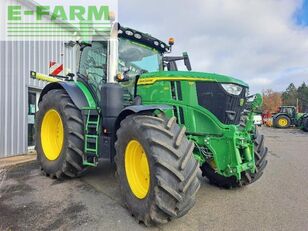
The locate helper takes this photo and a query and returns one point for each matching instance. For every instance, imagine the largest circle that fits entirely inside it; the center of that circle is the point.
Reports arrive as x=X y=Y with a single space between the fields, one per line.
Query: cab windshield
x=135 y=58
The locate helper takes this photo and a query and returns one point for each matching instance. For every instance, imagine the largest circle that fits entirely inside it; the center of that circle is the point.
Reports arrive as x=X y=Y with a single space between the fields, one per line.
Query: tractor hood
x=150 y=78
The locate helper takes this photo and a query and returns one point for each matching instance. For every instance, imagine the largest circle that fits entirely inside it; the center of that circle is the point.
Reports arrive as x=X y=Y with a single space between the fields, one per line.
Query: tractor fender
x=138 y=109
x=72 y=90
x=134 y=109
x=280 y=114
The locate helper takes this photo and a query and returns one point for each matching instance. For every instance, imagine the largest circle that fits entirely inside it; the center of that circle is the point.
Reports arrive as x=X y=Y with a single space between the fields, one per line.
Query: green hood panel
x=149 y=78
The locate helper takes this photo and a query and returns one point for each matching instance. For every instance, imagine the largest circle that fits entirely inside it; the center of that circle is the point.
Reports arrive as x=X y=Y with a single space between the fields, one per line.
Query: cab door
x=93 y=66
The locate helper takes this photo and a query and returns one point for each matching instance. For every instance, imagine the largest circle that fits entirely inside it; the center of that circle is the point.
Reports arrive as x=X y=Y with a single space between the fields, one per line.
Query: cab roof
x=143 y=38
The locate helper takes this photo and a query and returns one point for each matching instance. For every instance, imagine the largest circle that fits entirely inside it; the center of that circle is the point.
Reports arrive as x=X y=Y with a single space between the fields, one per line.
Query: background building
x=19 y=93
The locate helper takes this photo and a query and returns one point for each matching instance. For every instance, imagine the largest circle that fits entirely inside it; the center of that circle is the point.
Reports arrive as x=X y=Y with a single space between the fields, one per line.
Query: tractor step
x=92 y=133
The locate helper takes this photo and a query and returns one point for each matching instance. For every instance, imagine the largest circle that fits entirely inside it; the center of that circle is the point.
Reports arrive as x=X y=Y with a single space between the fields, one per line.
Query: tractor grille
x=224 y=106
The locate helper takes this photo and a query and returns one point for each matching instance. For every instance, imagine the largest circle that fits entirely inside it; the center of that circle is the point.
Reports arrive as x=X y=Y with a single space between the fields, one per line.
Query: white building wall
x=17 y=59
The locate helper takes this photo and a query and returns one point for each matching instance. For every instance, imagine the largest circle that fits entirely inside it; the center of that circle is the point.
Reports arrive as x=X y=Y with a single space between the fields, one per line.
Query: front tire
x=59 y=135
x=260 y=150
x=167 y=174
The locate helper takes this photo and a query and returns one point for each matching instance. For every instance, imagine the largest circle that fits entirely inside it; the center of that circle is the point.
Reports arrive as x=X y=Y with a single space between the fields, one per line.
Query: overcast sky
x=264 y=42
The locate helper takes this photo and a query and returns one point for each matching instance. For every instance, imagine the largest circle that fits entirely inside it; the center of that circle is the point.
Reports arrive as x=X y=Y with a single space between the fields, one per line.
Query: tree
x=271 y=101
x=290 y=96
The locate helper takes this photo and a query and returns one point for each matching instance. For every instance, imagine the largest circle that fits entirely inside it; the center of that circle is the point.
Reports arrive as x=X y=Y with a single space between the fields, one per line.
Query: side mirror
x=187 y=61
x=123 y=77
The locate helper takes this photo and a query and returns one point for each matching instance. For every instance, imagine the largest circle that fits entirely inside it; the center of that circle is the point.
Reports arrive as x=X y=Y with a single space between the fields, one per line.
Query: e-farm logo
x=58 y=21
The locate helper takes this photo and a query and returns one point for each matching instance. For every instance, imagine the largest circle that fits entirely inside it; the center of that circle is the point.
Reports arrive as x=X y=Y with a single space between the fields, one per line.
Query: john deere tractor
x=303 y=122
x=129 y=103
x=288 y=116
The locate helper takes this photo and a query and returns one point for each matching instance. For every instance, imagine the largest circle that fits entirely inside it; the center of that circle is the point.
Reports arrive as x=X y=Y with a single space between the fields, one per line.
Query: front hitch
x=253 y=103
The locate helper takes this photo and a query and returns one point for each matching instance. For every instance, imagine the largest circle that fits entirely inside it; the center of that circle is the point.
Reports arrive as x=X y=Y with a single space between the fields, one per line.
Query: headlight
x=232 y=89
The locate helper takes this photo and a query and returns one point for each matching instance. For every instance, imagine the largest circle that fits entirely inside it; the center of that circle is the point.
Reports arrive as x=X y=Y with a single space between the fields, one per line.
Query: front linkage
x=231 y=153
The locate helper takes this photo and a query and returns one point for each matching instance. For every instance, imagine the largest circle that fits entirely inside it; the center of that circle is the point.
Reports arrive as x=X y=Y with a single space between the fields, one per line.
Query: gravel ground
x=278 y=201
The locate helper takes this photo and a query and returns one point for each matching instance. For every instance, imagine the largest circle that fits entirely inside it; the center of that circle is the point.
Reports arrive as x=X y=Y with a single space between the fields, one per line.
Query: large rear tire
x=282 y=121
x=247 y=177
x=156 y=168
x=59 y=135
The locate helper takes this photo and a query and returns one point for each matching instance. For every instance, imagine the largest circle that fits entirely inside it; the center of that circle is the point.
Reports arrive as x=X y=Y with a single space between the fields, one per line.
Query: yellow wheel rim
x=283 y=122
x=137 y=169
x=52 y=134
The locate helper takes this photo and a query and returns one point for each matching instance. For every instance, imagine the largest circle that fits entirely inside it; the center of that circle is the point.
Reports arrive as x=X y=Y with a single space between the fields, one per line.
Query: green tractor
x=288 y=116
x=303 y=122
x=129 y=103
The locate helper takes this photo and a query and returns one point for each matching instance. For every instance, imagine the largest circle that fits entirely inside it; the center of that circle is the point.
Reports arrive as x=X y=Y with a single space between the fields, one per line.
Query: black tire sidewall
x=51 y=167
x=140 y=206
x=173 y=169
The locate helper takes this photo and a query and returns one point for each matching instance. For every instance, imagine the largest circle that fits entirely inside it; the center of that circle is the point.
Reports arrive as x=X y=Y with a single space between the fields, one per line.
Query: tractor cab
x=136 y=53
x=142 y=53
x=289 y=110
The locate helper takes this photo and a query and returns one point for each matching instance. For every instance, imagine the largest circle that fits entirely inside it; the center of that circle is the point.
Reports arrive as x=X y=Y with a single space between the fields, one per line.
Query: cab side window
x=93 y=65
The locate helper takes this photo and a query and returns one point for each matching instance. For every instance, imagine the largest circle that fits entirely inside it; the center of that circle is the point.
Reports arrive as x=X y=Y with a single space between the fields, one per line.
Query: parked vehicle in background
x=267 y=118
x=288 y=116
x=303 y=122
x=269 y=122
x=257 y=120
